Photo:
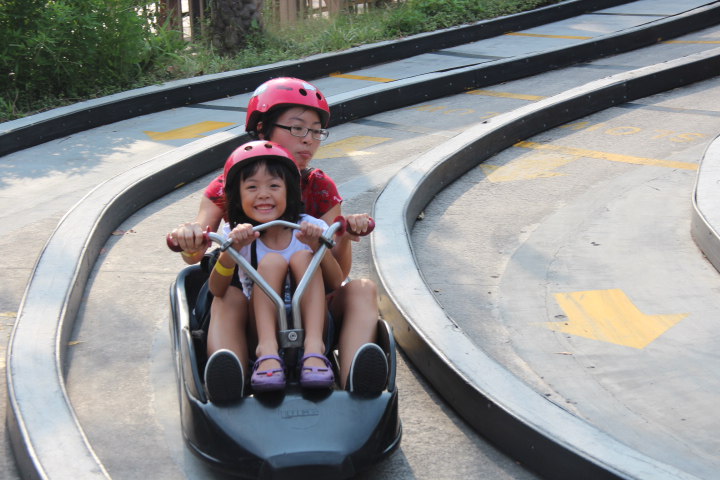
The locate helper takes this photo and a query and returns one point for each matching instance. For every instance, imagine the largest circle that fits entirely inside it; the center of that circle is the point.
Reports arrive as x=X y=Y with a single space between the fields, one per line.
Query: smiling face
x=302 y=149
x=263 y=195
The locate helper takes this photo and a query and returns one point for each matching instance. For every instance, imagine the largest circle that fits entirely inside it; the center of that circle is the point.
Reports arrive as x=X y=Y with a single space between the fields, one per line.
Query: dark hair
x=269 y=120
x=294 y=205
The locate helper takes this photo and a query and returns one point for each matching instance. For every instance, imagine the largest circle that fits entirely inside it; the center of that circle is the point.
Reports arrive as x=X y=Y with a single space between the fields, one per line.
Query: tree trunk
x=170 y=12
x=231 y=21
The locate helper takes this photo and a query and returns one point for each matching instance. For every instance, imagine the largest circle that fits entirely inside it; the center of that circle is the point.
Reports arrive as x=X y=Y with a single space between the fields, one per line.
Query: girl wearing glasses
x=294 y=114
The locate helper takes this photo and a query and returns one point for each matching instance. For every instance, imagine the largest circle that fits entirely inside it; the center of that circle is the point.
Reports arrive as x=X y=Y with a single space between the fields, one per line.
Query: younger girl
x=262 y=183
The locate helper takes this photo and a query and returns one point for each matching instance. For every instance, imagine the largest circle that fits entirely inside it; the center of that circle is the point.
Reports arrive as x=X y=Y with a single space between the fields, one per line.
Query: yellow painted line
x=610 y=316
x=519 y=96
x=540 y=35
x=613 y=157
x=706 y=42
x=527 y=168
x=349 y=147
x=361 y=77
x=190 y=131
x=8 y=314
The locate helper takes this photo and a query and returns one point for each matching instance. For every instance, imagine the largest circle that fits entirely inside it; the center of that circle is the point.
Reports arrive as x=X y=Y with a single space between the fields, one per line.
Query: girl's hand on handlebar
x=189 y=237
x=310 y=234
x=242 y=235
x=357 y=223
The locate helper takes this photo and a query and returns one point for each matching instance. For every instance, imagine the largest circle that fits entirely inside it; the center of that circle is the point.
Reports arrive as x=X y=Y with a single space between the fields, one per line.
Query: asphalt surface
x=505 y=250
x=569 y=259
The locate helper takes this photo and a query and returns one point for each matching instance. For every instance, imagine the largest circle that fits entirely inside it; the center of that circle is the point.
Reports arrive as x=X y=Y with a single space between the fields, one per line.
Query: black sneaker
x=224 y=379
x=369 y=370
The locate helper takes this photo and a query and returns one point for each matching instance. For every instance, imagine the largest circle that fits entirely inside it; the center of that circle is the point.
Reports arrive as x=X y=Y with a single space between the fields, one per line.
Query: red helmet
x=259 y=150
x=285 y=91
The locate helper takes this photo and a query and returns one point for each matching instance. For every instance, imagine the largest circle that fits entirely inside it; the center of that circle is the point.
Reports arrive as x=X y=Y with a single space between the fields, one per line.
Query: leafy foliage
x=417 y=16
x=74 y=48
x=56 y=52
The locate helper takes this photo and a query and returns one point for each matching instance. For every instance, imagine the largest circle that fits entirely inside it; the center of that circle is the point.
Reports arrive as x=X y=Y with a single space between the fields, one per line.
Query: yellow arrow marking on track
x=349 y=147
x=610 y=316
x=526 y=168
x=191 y=131
x=540 y=35
x=361 y=77
x=519 y=96
x=613 y=157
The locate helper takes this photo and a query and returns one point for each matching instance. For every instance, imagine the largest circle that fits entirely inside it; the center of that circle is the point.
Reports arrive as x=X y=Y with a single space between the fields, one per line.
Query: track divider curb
x=46 y=436
x=520 y=421
x=705 y=225
x=33 y=130
x=414 y=90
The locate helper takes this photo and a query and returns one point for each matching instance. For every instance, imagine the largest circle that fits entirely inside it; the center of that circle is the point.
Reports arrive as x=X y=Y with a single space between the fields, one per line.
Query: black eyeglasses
x=298 y=131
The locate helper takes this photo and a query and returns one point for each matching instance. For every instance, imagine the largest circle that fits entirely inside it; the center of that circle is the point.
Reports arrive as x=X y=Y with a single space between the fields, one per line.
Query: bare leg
x=273 y=268
x=312 y=307
x=356 y=303
x=228 y=326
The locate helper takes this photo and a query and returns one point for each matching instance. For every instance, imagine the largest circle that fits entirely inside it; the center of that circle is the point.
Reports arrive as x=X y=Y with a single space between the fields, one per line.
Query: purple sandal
x=268 y=380
x=316 y=377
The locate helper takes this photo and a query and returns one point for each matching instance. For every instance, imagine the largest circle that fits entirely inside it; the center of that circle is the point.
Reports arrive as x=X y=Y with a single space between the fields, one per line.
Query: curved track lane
x=493 y=290
x=95 y=247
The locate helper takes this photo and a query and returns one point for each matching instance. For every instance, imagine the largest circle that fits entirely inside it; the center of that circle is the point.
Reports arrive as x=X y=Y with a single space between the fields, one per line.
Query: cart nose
x=315 y=465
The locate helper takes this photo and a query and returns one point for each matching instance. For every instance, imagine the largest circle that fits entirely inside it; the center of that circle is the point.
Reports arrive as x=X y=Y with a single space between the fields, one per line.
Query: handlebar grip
x=343 y=228
x=171 y=245
x=371 y=227
x=176 y=248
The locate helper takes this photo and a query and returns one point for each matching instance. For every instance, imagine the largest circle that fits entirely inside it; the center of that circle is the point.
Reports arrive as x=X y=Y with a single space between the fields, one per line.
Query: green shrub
x=74 y=48
x=417 y=16
x=55 y=52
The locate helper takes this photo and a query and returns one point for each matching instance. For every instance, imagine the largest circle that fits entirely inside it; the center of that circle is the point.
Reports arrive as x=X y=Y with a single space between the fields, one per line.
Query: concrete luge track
x=64 y=265
x=546 y=437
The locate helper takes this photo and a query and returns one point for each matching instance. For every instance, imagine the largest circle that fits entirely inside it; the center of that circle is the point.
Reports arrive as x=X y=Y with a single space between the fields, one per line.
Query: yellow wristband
x=222 y=270
x=187 y=254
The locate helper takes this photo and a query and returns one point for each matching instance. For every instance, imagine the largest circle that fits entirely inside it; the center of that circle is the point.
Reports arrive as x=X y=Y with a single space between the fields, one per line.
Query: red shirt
x=318 y=190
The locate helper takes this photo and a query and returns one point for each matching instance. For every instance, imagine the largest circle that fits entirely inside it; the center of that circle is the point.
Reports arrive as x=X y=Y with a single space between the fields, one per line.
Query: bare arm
x=189 y=236
x=342 y=251
x=222 y=273
x=331 y=272
x=359 y=223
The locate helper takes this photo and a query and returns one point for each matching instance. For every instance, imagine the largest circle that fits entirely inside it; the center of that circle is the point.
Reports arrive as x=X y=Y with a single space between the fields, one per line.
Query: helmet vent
x=303 y=92
x=248 y=148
